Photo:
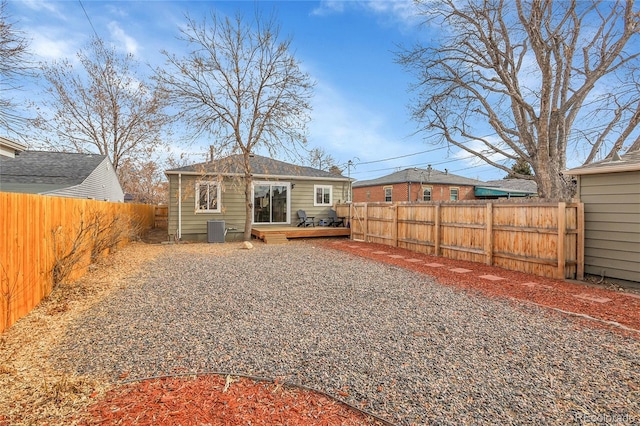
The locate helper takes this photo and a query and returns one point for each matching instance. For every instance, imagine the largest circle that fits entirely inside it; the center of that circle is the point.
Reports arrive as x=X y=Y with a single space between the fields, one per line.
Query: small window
x=323 y=195
x=387 y=194
x=453 y=192
x=426 y=194
x=207 y=197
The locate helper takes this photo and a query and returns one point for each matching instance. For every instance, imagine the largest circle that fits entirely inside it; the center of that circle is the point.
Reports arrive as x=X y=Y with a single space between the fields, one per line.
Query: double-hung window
x=323 y=195
x=387 y=193
x=453 y=192
x=426 y=194
x=207 y=197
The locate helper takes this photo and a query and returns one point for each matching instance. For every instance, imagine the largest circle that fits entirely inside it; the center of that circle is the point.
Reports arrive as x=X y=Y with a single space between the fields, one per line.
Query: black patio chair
x=304 y=219
x=334 y=219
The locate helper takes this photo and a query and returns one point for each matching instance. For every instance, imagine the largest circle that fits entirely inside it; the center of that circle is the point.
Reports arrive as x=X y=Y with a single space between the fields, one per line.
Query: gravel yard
x=380 y=337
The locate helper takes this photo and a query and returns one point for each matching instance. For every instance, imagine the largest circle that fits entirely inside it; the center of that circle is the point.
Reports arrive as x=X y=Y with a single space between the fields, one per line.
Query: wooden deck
x=280 y=234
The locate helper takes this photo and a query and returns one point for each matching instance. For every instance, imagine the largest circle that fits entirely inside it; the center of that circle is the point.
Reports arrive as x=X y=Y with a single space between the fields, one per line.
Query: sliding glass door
x=271 y=202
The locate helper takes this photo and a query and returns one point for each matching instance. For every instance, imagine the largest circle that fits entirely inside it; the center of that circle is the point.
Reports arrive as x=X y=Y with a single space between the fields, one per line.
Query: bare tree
x=540 y=76
x=13 y=66
x=242 y=86
x=106 y=107
x=144 y=181
x=319 y=159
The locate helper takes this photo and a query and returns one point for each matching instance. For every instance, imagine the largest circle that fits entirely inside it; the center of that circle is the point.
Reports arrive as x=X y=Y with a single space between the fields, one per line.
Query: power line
x=402 y=156
x=89 y=19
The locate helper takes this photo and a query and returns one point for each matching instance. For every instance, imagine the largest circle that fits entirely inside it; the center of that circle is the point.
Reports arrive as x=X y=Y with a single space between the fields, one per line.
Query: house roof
x=424 y=176
x=506 y=188
x=520 y=185
x=47 y=171
x=10 y=147
x=629 y=162
x=260 y=166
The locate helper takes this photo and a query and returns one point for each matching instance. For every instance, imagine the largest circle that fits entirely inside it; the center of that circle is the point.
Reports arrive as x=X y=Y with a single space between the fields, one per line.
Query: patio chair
x=334 y=219
x=304 y=219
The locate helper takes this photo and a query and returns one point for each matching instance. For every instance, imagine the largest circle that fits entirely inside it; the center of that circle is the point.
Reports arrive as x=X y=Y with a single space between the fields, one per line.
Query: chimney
x=446 y=171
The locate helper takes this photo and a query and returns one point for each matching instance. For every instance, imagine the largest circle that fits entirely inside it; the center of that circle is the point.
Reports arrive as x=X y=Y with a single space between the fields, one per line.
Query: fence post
x=394 y=229
x=580 y=242
x=489 y=234
x=562 y=230
x=436 y=232
x=365 y=226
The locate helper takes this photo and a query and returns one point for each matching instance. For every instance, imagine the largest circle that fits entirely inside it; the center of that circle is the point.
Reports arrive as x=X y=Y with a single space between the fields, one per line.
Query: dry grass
x=31 y=390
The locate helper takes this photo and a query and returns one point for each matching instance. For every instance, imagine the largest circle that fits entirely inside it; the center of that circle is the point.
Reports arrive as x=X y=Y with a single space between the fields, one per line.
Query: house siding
x=410 y=192
x=194 y=225
x=612 y=224
x=102 y=184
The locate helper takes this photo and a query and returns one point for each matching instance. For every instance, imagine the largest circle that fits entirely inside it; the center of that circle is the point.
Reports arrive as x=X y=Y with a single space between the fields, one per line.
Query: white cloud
x=46 y=6
x=51 y=48
x=346 y=129
x=329 y=7
x=125 y=41
x=403 y=11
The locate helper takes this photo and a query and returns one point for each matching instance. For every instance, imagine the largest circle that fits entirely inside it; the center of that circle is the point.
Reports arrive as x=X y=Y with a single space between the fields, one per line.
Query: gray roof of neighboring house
x=520 y=185
x=629 y=162
x=260 y=166
x=425 y=176
x=47 y=171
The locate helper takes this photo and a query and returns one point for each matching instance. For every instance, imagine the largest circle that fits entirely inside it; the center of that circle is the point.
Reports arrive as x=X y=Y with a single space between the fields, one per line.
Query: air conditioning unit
x=215 y=231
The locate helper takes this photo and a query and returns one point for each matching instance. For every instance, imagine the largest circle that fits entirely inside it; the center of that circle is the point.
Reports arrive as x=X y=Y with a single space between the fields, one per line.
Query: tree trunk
x=551 y=184
x=248 y=207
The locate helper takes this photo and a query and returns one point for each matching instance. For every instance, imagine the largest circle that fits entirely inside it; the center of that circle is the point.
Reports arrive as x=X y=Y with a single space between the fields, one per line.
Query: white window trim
x=424 y=188
x=271 y=182
x=315 y=191
x=384 y=191
x=457 y=191
x=218 y=209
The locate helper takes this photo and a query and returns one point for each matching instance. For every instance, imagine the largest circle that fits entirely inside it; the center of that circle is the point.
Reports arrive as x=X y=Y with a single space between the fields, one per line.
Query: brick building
x=415 y=184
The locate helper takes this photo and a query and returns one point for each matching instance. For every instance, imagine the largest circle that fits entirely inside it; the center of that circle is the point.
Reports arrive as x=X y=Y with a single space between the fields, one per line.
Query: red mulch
x=204 y=399
x=623 y=308
x=217 y=400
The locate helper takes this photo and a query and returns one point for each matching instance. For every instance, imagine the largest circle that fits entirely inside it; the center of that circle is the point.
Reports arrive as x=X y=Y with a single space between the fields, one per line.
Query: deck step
x=273 y=238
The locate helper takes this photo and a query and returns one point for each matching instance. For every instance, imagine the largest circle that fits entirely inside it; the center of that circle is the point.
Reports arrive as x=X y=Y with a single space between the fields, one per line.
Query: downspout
x=179 y=206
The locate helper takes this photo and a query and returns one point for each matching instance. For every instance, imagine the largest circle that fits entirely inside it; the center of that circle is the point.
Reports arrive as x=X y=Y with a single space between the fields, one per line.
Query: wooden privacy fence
x=545 y=239
x=36 y=231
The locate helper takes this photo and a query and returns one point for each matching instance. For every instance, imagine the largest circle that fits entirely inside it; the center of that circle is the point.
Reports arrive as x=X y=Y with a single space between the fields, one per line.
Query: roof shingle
x=260 y=165
x=419 y=175
x=53 y=168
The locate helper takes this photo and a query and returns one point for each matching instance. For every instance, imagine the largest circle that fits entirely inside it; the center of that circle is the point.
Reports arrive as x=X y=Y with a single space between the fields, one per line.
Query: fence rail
x=35 y=230
x=545 y=239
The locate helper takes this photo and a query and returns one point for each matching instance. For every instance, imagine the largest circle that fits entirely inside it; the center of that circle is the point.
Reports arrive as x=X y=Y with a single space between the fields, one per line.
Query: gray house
x=61 y=174
x=214 y=191
x=610 y=191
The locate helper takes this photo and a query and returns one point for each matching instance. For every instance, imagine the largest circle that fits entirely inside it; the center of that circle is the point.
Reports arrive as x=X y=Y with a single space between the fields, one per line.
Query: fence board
x=27 y=224
x=545 y=239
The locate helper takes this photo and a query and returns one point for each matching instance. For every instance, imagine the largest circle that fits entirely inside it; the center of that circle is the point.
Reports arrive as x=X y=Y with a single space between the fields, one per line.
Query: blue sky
x=361 y=96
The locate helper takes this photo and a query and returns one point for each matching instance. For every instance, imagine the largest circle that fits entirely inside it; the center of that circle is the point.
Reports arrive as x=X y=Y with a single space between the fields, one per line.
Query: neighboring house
x=61 y=174
x=415 y=185
x=215 y=191
x=9 y=148
x=506 y=188
x=610 y=191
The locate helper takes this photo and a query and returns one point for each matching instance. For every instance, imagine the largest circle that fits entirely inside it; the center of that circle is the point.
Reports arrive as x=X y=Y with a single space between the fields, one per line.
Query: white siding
x=102 y=185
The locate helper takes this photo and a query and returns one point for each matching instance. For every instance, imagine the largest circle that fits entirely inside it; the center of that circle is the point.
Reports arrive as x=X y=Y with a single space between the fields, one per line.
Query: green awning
x=493 y=192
